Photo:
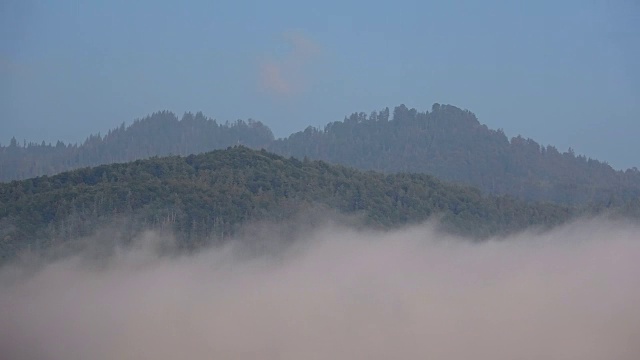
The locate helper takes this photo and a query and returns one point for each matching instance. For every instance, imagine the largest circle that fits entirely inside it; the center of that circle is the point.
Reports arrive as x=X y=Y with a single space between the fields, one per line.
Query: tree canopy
x=446 y=142
x=207 y=197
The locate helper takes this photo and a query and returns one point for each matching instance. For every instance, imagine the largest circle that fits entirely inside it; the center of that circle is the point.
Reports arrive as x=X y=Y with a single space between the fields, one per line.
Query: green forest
x=206 y=198
x=159 y=134
x=446 y=142
x=453 y=145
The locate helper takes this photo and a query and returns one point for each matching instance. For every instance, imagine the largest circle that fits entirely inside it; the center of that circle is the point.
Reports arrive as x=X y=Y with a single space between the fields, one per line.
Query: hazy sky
x=561 y=72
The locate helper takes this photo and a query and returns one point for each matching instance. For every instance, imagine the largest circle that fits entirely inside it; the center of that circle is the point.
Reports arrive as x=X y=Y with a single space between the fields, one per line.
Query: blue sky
x=561 y=72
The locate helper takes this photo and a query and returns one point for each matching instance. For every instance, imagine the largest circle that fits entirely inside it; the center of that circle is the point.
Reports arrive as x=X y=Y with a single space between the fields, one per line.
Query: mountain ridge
x=204 y=198
x=447 y=142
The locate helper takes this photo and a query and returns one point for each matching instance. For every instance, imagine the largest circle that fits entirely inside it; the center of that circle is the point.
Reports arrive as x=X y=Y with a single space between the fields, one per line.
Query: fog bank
x=342 y=293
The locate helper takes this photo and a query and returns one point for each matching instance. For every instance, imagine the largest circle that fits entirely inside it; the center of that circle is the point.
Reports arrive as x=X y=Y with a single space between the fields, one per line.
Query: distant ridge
x=447 y=142
x=159 y=134
x=453 y=145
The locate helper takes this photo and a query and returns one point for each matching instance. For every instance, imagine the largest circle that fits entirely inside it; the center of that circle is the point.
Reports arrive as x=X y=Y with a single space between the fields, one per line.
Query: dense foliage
x=160 y=134
x=446 y=142
x=206 y=197
x=452 y=145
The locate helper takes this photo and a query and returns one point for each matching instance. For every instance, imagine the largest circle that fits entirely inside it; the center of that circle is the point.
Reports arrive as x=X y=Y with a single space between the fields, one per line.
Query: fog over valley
x=335 y=291
x=342 y=180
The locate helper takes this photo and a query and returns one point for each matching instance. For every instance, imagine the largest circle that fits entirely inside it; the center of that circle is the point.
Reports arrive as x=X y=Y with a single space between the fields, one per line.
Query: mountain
x=160 y=134
x=207 y=197
x=453 y=145
x=446 y=142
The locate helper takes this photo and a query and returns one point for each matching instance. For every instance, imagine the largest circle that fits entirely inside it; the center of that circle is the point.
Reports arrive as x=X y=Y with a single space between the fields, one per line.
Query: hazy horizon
x=561 y=73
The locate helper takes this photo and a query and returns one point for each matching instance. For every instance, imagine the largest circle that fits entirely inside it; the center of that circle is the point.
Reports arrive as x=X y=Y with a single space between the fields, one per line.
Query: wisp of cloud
x=288 y=75
x=340 y=293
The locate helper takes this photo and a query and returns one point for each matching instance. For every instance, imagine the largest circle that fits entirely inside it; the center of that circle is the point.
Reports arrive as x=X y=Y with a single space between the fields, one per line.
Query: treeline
x=446 y=142
x=206 y=198
x=452 y=145
x=160 y=134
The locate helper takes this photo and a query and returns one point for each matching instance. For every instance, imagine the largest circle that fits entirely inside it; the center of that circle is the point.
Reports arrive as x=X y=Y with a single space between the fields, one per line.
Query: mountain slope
x=160 y=134
x=207 y=197
x=446 y=142
x=452 y=145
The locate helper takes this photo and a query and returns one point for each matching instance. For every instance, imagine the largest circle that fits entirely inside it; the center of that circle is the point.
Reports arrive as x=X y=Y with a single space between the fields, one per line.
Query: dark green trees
x=206 y=197
x=447 y=142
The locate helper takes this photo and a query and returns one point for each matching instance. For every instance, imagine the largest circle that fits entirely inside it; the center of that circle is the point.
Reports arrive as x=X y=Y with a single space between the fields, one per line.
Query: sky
x=561 y=72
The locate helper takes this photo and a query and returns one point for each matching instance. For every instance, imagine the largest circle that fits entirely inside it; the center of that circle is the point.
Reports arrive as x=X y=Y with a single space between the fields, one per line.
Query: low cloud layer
x=340 y=293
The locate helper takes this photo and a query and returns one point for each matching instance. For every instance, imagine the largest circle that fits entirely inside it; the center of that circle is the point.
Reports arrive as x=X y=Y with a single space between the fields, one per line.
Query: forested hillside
x=206 y=197
x=160 y=134
x=453 y=145
x=446 y=142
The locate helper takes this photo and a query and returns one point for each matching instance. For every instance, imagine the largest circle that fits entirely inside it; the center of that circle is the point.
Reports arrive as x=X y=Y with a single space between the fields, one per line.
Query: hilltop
x=206 y=198
x=451 y=144
x=446 y=142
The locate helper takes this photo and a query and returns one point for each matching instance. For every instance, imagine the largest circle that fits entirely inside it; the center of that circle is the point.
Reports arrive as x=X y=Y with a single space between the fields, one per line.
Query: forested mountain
x=206 y=197
x=157 y=135
x=452 y=145
x=446 y=142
